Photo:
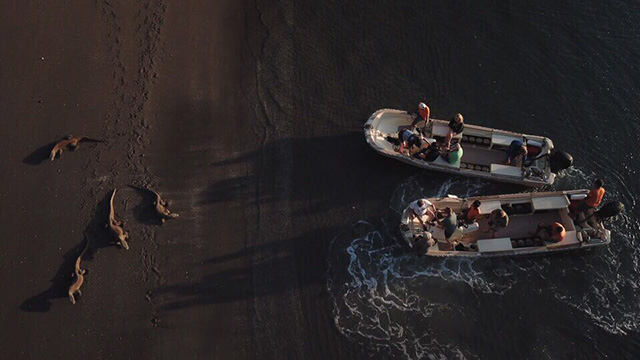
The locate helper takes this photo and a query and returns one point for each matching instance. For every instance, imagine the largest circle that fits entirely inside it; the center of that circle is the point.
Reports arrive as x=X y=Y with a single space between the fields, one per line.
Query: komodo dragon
x=116 y=225
x=69 y=142
x=159 y=205
x=79 y=275
x=161 y=208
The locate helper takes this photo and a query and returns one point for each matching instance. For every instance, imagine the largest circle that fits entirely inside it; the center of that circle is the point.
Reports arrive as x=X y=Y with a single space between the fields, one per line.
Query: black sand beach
x=177 y=93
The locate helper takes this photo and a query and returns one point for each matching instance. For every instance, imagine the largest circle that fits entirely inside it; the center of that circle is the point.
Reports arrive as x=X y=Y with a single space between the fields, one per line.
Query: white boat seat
x=486 y=207
x=503 y=140
x=492 y=245
x=442 y=130
x=508 y=170
x=550 y=202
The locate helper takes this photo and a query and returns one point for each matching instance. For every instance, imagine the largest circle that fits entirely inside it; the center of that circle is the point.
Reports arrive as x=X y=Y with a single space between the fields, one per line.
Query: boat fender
x=534 y=143
x=559 y=161
x=577 y=196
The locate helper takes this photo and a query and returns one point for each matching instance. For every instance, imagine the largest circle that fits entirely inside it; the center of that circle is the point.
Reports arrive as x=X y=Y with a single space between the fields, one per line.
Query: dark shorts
x=448 y=233
x=582 y=207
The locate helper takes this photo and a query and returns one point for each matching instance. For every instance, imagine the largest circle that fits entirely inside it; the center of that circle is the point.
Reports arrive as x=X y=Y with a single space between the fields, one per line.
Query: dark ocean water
x=566 y=70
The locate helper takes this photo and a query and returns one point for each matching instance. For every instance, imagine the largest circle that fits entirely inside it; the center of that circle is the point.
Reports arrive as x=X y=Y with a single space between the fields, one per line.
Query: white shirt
x=420 y=211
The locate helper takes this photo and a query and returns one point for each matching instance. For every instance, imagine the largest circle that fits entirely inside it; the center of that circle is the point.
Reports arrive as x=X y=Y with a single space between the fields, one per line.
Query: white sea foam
x=383 y=295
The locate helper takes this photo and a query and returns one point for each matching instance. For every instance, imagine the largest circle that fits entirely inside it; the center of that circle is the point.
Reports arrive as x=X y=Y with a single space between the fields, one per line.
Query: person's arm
x=401 y=148
x=432 y=209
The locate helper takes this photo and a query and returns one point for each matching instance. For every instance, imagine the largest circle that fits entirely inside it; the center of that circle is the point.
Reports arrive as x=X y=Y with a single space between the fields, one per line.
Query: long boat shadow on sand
x=323 y=172
x=270 y=269
x=307 y=175
x=99 y=237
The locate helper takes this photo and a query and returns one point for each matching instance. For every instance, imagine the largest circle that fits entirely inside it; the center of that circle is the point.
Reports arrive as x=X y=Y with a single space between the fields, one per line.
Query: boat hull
x=483 y=150
x=518 y=238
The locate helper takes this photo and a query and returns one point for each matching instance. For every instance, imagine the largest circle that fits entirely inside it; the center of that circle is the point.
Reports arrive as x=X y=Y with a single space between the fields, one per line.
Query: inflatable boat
x=483 y=149
x=525 y=212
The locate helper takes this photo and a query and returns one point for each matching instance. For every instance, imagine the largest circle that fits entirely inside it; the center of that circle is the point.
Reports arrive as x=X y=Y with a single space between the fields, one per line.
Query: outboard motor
x=610 y=210
x=559 y=161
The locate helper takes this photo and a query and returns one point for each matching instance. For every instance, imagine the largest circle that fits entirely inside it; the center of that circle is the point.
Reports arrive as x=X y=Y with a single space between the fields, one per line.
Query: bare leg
x=447 y=140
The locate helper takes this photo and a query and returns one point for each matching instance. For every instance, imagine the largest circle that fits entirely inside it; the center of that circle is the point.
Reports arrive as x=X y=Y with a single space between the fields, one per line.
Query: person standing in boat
x=422 y=207
x=593 y=200
x=423 y=115
x=456 y=126
x=448 y=220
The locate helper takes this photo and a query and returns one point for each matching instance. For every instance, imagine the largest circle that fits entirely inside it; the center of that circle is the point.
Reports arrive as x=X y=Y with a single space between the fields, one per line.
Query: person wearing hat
x=423 y=115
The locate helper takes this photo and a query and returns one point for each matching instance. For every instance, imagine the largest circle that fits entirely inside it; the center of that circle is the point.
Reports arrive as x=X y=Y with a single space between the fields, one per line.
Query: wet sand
x=177 y=91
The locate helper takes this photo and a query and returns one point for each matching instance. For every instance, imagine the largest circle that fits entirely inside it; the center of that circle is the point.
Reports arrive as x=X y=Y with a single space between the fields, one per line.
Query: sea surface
x=567 y=70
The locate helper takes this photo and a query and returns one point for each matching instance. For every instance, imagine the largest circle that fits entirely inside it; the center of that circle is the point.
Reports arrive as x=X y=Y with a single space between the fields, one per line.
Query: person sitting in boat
x=517 y=153
x=593 y=200
x=422 y=243
x=456 y=126
x=498 y=219
x=453 y=154
x=551 y=232
x=422 y=207
x=472 y=214
x=428 y=153
x=422 y=115
x=448 y=220
x=408 y=141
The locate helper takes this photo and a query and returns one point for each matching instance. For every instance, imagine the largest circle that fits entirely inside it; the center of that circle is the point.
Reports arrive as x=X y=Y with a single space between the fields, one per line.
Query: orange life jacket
x=556 y=235
x=595 y=197
x=424 y=113
x=473 y=213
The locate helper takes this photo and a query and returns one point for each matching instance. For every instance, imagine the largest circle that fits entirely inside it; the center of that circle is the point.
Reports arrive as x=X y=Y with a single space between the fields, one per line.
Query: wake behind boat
x=484 y=149
x=529 y=215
